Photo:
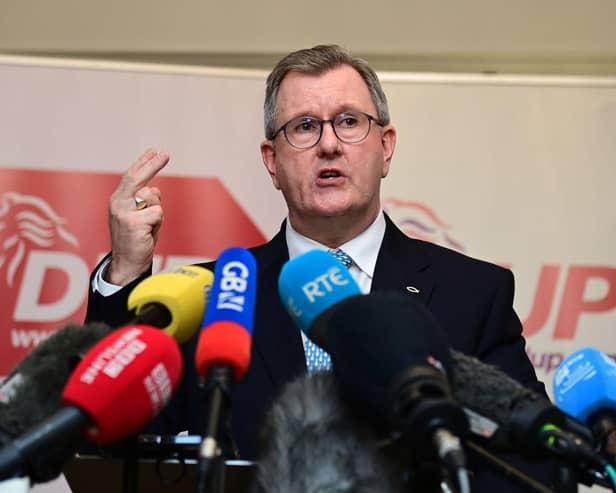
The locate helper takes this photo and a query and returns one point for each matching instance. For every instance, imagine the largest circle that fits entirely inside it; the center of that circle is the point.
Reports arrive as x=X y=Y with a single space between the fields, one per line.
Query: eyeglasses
x=305 y=132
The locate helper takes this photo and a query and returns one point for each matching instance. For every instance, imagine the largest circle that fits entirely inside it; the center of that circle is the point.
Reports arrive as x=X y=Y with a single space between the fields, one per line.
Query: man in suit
x=329 y=143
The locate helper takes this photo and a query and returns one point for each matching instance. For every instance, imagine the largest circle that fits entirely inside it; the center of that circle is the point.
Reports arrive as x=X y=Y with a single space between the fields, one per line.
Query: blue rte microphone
x=585 y=388
x=312 y=283
x=226 y=330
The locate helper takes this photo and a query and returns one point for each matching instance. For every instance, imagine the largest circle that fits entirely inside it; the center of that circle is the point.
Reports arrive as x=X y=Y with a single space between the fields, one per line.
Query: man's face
x=332 y=178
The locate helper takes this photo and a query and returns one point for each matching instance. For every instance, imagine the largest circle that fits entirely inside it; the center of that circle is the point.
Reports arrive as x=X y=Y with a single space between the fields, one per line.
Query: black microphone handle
x=64 y=426
x=603 y=426
x=217 y=386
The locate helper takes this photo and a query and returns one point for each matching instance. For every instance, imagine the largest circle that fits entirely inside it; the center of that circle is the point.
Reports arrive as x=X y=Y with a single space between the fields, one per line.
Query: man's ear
x=268 y=154
x=388 y=141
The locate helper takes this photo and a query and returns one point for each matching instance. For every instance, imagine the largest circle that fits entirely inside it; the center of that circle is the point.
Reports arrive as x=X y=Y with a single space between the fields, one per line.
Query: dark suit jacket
x=471 y=299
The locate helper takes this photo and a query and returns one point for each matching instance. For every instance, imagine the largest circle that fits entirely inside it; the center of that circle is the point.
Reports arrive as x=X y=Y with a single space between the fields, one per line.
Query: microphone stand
x=130 y=467
x=508 y=471
x=211 y=459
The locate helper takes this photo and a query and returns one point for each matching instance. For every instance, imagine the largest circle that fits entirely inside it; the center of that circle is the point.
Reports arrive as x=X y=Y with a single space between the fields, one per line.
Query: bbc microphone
x=32 y=391
x=116 y=389
x=224 y=346
x=173 y=301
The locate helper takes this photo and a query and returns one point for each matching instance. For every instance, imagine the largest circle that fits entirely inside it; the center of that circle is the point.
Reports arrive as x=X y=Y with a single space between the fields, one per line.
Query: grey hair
x=317 y=61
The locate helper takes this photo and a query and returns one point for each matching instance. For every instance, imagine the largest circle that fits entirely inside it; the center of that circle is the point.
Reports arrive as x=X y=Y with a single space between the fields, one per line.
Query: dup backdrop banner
x=519 y=171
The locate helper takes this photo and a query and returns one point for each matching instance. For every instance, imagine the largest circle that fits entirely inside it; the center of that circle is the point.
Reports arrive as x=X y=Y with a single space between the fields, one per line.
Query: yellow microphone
x=173 y=301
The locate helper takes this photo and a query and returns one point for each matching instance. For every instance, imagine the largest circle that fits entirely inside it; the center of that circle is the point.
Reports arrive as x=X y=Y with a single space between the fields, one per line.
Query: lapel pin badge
x=412 y=289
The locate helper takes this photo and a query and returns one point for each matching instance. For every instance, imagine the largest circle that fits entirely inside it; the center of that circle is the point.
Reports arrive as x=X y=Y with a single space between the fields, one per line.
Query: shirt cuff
x=99 y=284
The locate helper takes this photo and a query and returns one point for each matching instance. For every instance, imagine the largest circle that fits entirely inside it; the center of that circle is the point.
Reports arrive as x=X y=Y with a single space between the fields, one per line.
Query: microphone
x=381 y=329
x=528 y=423
x=117 y=388
x=223 y=350
x=41 y=375
x=584 y=387
x=312 y=299
x=395 y=365
x=519 y=413
x=309 y=285
x=32 y=391
x=173 y=301
x=315 y=443
x=403 y=385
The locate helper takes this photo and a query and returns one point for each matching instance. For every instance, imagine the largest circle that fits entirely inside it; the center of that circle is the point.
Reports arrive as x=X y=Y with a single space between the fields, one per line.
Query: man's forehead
x=341 y=88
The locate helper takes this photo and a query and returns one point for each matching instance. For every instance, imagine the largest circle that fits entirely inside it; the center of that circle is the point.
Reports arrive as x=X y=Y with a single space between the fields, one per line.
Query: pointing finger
x=141 y=172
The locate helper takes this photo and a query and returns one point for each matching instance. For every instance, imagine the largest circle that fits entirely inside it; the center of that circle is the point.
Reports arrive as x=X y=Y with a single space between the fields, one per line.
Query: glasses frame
x=331 y=121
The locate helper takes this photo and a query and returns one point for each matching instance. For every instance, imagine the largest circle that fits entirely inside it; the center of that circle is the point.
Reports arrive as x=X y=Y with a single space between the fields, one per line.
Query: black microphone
x=388 y=325
x=520 y=413
x=527 y=423
x=394 y=365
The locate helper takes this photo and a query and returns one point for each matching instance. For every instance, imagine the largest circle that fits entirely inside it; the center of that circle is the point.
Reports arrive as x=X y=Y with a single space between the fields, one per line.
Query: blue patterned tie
x=317 y=359
x=343 y=256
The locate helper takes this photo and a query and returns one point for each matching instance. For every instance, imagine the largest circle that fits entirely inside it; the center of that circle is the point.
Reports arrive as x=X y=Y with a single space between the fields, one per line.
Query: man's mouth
x=329 y=173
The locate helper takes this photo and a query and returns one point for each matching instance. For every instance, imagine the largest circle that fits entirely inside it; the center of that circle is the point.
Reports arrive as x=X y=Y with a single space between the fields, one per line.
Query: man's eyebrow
x=342 y=109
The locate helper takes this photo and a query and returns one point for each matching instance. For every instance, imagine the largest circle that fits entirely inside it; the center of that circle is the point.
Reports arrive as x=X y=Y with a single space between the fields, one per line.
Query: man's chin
x=335 y=210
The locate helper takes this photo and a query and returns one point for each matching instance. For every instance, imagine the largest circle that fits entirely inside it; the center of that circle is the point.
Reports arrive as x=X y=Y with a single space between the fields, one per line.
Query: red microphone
x=119 y=386
x=124 y=381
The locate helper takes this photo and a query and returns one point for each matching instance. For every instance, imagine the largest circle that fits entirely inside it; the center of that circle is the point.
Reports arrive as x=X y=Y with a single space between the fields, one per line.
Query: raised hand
x=135 y=218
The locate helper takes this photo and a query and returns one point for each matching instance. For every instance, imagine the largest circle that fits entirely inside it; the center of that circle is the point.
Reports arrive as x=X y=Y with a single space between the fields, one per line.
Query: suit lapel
x=277 y=341
x=402 y=265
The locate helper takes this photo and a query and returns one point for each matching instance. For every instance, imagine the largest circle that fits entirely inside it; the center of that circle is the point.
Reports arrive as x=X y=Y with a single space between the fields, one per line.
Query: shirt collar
x=363 y=249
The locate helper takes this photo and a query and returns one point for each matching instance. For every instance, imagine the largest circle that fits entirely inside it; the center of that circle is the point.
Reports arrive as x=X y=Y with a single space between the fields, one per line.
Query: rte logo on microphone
x=327 y=281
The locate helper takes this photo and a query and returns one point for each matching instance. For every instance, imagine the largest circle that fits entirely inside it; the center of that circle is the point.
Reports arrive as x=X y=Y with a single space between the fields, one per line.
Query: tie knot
x=343 y=256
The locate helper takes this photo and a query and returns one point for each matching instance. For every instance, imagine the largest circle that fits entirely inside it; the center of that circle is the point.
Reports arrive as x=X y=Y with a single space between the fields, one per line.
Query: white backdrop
x=516 y=170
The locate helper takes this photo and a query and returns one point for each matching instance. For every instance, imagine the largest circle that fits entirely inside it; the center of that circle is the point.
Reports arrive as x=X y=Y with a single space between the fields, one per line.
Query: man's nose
x=329 y=142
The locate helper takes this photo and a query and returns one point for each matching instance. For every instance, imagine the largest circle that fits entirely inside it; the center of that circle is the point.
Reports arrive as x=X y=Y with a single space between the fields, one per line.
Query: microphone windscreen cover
x=372 y=339
x=125 y=380
x=311 y=441
x=183 y=292
x=311 y=283
x=226 y=335
x=224 y=343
